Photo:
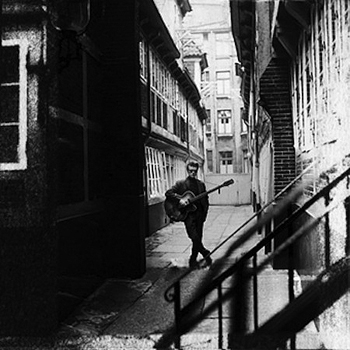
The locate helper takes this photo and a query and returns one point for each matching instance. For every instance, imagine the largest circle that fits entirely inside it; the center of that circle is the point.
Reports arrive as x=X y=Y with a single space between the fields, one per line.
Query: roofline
x=153 y=19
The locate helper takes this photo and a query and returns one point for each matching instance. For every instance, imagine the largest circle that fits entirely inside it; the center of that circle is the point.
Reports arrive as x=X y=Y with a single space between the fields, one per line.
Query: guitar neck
x=201 y=195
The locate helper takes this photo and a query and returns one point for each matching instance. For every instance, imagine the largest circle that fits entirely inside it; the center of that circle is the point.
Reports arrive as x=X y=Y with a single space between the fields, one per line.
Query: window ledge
x=156 y=200
x=225 y=135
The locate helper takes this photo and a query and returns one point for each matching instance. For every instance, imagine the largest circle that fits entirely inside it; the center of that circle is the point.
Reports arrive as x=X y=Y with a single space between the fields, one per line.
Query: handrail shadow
x=258 y=214
x=185 y=321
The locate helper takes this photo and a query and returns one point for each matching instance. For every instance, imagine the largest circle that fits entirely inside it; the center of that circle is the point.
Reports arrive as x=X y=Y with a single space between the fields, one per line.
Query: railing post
x=347 y=217
x=268 y=229
x=327 y=233
x=220 y=330
x=258 y=208
x=177 y=311
x=255 y=293
x=239 y=309
x=291 y=272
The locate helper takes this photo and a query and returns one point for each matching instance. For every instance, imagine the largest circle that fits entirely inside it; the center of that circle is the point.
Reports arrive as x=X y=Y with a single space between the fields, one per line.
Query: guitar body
x=177 y=213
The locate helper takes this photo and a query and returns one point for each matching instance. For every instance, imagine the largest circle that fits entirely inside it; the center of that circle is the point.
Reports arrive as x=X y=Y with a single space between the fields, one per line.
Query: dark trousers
x=194 y=227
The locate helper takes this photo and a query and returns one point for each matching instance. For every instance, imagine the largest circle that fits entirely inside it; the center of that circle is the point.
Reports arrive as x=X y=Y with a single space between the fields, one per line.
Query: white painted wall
x=236 y=194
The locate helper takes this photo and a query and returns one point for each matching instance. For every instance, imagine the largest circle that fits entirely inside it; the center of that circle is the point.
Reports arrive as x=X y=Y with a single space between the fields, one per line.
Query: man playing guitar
x=195 y=217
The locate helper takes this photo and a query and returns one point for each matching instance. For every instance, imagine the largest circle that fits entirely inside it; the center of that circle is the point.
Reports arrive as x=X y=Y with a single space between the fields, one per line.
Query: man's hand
x=183 y=202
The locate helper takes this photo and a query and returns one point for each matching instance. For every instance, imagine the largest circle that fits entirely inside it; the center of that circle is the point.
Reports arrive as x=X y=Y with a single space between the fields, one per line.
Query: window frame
x=223 y=129
x=225 y=157
x=223 y=82
x=21 y=164
x=143 y=59
x=222 y=44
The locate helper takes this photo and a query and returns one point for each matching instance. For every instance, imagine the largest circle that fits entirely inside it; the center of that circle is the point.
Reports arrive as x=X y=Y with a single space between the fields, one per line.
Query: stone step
x=193 y=341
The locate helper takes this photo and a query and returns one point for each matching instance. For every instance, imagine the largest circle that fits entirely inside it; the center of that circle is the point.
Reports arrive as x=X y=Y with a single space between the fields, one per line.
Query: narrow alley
x=137 y=308
x=108 y=107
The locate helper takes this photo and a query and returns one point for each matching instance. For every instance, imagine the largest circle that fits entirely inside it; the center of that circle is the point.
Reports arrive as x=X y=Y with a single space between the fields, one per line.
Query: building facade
x=295 y=59
x=172 y=112
x=208 y=25
x=94 y=111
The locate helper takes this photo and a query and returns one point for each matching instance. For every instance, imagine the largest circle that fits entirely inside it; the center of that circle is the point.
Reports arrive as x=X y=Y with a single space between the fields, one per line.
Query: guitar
x=177 y=213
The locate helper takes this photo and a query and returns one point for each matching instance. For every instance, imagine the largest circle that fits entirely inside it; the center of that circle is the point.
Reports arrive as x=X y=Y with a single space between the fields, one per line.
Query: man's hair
x=193 y=164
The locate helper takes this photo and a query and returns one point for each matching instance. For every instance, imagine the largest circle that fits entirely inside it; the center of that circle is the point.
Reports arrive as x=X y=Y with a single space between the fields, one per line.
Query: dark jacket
x=194 y=185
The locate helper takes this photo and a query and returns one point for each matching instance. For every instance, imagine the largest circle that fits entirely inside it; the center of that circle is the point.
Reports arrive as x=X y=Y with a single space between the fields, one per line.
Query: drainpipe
x=253 y=82
x=188 y=130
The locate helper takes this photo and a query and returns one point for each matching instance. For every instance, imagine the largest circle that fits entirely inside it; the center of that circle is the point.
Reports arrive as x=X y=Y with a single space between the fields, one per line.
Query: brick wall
x=275 y=92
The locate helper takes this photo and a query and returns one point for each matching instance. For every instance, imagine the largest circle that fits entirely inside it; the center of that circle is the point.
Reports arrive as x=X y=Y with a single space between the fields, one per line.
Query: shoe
x=207 y=258
x=192 y=263
x=208 y=261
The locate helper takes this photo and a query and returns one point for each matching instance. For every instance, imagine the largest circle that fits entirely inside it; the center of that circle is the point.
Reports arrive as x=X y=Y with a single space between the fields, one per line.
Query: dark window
x=153 y=107
x=9 y=139
x=10 y=105
x=210 y=160
x=183 y=130
x=159 y=111
x=165 y=115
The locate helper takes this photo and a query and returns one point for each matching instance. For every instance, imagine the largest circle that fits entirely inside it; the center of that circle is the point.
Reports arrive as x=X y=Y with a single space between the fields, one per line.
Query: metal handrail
x=189 y=324
x=330 y=285
x=167 y=293
x=324 y=193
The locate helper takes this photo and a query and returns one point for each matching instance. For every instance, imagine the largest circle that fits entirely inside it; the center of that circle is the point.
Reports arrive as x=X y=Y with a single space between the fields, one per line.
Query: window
x=153 y=107
x=223 y=83
x=317 y=75
x=223 y=44
x=205 y=76
x=226 y=166
x=176 y=124
x=165 y=115
x=143 y=59
x=238 y=70
x=153 y=69
x=159 y=111
x=206 y=85
x=154 y=172
x=208 y=126
x=184 y=136
x=208 y=123
x=13 y=122
x=162 y=172
x=244 y=128
x=224 y=122
x=245 y=162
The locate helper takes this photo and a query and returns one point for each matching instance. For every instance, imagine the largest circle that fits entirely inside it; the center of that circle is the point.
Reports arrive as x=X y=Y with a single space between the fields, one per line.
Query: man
x=194 y=220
